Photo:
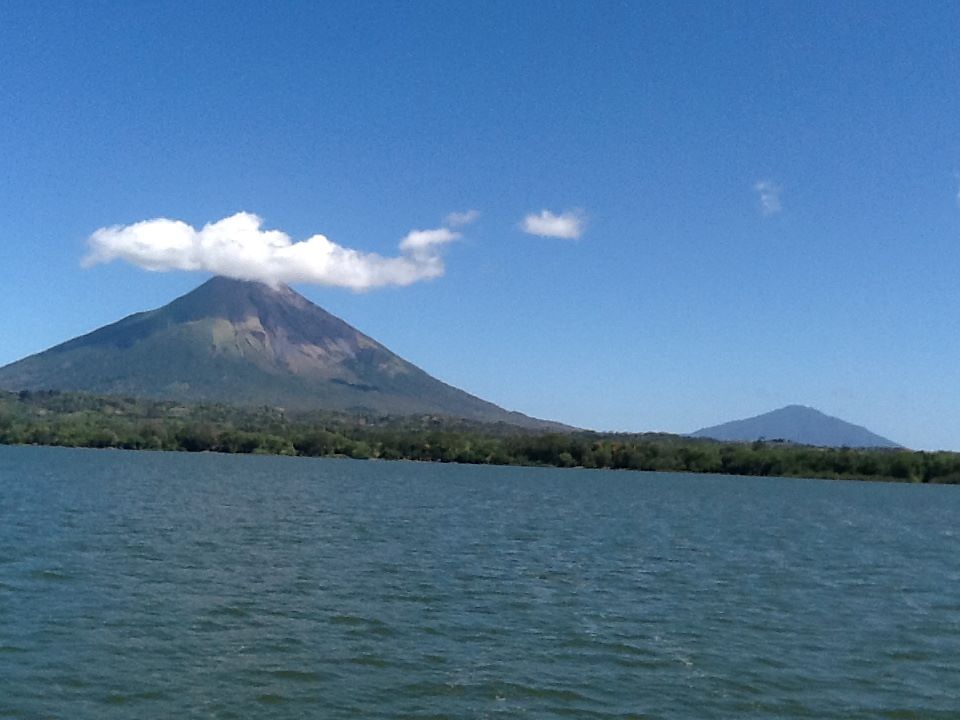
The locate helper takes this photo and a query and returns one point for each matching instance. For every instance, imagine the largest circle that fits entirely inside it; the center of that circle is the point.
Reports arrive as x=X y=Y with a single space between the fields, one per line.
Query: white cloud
x=568 y=225
x=459 y=219
x=426 y=241
x=239 y=247
x=769 y=193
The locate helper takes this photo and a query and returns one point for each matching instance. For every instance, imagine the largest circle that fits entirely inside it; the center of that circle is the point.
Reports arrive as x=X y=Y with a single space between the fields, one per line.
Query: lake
x=162 y=585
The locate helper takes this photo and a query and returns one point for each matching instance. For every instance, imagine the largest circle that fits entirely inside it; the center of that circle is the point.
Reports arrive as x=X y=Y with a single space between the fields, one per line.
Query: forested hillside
x=77 y=420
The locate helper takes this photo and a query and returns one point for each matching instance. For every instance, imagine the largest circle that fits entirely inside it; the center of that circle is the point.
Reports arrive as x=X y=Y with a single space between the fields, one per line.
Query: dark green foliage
x=78 y=420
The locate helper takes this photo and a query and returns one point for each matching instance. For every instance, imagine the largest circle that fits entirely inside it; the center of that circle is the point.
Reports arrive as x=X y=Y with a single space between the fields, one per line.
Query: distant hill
x=798 y=424
x=246 y=343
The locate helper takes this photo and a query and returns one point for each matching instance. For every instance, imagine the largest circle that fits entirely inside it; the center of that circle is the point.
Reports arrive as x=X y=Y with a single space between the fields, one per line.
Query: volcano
x=246 y=343
x=797 y=424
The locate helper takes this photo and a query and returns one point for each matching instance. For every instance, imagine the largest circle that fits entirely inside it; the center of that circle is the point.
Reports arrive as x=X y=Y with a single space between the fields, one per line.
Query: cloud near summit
x=238 y=246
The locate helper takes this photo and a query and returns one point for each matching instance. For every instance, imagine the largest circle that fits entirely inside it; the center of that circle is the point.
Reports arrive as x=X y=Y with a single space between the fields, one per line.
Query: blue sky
x=770 y=192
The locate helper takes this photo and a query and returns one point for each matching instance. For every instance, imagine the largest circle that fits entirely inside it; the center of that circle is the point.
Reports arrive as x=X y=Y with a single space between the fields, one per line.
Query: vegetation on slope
x=78 y=420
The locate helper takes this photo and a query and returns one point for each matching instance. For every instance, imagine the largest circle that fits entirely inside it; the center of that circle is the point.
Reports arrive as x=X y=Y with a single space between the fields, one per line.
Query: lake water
x=150 y=585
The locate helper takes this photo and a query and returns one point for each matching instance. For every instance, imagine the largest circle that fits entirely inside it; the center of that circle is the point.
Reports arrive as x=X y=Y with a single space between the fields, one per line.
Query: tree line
x=80 y=420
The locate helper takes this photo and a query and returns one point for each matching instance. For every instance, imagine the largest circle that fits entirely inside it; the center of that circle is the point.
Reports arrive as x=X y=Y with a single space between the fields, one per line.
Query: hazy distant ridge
x=798 y=424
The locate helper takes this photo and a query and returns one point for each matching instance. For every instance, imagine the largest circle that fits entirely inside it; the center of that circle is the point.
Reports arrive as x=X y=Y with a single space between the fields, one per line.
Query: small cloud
x=421 y=241
x=769 y=193
x=459 y=219
x=568 y=225
x=239 y=247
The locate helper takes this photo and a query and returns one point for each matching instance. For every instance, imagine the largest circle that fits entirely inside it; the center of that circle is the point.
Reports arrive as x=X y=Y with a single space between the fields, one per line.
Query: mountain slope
x=798 y=424
x=245 y=343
